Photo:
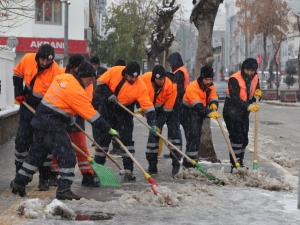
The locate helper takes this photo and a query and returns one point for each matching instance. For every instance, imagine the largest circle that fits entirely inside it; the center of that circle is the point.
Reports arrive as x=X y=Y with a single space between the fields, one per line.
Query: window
x=48 y=12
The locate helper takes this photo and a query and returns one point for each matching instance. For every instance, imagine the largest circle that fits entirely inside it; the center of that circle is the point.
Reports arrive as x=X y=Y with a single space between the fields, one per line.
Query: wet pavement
x=163 y=178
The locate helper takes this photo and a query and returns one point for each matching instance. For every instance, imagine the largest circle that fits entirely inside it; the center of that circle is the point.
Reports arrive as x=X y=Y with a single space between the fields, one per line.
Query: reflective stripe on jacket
x=194 y=95
x=166 y=97
x=128 y=93
x=67 y=97
x=186 y=76
x=243 y=89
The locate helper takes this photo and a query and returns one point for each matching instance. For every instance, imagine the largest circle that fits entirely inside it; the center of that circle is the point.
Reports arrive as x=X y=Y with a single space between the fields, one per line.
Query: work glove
x=20 y=99
x=213 y=107
x=113 y=99
x=139 y=111
x=153 y=129
x=258 y=93
x=253 y=108
x=214 y=115
x=113 y=132
x=72 y=120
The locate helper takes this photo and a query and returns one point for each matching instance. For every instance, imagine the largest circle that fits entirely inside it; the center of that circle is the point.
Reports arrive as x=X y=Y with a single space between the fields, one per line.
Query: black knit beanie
x=158 y=72
x=86 y=69
x=132 y=69
x=45 y=51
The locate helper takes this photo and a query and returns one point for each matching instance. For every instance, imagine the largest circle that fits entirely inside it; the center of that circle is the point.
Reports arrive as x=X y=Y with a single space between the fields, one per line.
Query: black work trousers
x=174 y=134
x=238 y=135
x=192 y=125
x=24 y=139
x=44 y=144
x=121 y=121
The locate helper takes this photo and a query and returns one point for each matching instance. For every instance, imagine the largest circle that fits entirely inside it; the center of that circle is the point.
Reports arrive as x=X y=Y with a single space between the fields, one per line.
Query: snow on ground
x=197 y=204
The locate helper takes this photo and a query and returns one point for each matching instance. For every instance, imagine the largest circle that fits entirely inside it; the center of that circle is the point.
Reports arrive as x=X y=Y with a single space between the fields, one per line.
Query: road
x=278 y=134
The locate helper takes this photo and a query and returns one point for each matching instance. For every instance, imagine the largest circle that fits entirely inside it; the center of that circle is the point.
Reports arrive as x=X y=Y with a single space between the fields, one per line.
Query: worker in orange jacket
x=199 y=101
x=64 y=99
x=36 y=70
x=242 y=88
x=122 y=85
x=77 y=137
x=162 y=93
x=180 y=76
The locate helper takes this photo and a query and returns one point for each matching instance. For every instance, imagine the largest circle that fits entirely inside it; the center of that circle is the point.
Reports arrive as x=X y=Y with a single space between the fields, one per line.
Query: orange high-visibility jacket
x=186 y=76
x=128 y=93
x=27 y=69
x=166 y=97
x=243 y=88
x=194 y=94
x=66 y=96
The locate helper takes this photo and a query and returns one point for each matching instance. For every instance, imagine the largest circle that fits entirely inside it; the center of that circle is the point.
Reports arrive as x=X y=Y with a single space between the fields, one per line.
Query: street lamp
x=66 y=27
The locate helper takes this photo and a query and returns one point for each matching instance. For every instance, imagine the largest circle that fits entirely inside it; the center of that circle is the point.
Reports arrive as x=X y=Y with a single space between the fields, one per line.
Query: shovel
x=193 y=162
x=146 y=175
x=255 y=137
x=105 y=175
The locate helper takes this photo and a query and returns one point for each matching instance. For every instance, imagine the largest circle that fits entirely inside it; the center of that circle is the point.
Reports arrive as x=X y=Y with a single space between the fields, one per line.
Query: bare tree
x=268 y=17
x=161 y=37
x=14 y=13
x=203 y=16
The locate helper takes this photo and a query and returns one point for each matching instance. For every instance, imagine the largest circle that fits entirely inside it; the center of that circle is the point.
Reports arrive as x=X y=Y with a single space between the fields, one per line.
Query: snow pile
x=147 y=197
x=239 y=178
x=33 y=208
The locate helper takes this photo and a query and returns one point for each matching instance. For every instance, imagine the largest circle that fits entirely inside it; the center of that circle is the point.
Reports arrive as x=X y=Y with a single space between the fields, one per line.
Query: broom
x=146 y=175
x=193 y=162
x=105 y=175
x=107 y=155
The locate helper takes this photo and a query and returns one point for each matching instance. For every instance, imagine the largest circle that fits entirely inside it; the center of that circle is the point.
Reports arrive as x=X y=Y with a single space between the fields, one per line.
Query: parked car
x=221 y=89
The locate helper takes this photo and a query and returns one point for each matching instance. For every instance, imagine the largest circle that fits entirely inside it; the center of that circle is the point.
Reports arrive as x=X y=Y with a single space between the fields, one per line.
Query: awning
x=31 y=44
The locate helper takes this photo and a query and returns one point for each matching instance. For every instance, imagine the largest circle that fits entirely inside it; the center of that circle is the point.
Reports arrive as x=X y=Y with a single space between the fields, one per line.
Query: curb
x=282 y=103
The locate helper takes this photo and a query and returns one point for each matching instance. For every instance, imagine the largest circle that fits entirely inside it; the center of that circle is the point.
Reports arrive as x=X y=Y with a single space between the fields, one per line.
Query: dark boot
x=66 y=194
x=167 y=156
x=89 y=180
x=129 y=176
x=11 y=184
x=43 y=185
x=152 y=169
x=176 y=167
x=53 y=179
x=187 y=164
x=18 y=189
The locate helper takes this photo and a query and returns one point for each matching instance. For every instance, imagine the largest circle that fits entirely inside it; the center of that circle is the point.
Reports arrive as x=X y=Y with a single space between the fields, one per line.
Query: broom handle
x=107 y=155
x=227 y=141
x=158 y=134
x=79 y=150
x=256 y=131
x=73 y=145
x=130 y=155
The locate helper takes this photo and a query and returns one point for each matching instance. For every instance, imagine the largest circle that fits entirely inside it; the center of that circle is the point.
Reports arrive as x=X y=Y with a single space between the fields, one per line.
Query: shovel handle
x=89 y=137
x=130 y=155
x=237 y=164
x=158 y=134
x=256 y=131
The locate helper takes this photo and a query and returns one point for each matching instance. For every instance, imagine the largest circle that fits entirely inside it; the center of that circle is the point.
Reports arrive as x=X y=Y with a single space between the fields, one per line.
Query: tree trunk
x=203 y=16
x=161 y=37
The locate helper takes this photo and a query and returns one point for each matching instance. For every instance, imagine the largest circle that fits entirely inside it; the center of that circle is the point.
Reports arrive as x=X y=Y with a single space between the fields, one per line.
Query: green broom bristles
x=105 y=175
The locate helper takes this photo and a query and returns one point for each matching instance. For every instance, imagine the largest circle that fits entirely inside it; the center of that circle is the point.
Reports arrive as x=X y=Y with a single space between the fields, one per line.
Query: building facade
x=48 y=26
